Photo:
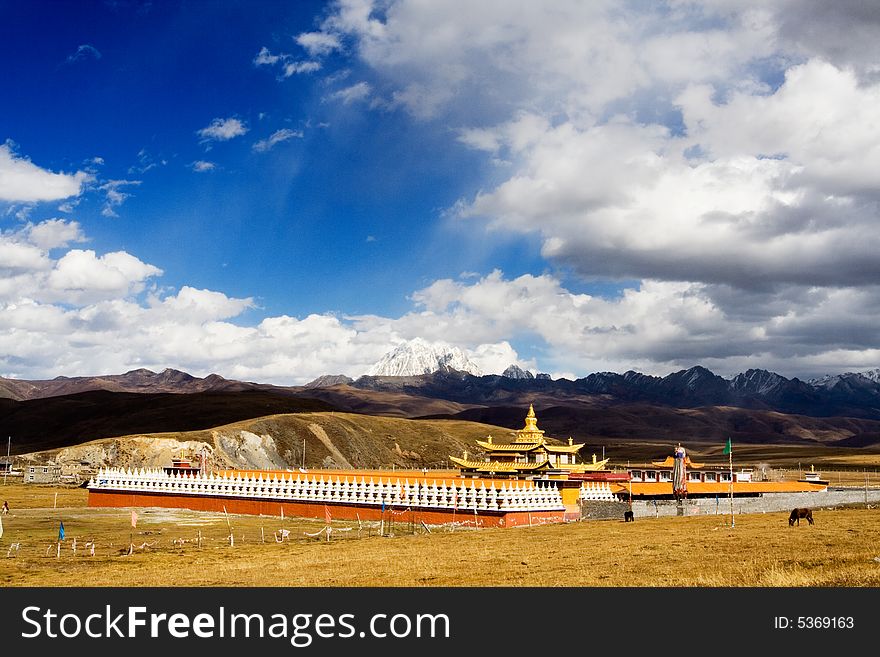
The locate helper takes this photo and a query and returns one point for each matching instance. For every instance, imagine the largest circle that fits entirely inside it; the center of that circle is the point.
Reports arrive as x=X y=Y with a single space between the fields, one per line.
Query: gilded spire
x=531 y=420
x=530 y=432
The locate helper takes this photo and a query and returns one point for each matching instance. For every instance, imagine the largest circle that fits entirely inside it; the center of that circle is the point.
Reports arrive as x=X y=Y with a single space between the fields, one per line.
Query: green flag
x=728 y=448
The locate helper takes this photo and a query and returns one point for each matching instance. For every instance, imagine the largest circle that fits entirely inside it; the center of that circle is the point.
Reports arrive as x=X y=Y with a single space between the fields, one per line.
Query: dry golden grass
x=762 y=550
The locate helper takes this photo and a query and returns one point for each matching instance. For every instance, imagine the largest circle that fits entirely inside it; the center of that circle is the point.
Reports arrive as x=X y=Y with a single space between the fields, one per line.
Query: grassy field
x=842 y=549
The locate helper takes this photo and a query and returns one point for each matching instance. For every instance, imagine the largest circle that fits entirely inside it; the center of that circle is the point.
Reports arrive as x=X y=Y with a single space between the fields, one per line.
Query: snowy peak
x=851 y=378
x=419 y=356
x=759 y=382
x=516 y=372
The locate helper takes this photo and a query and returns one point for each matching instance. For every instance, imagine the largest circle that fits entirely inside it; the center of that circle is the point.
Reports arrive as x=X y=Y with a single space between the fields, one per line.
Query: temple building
x=529 y=455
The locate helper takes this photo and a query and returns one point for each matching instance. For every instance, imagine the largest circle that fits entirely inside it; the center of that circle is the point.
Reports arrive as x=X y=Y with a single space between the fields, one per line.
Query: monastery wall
x=769 y=502
x=466 y=502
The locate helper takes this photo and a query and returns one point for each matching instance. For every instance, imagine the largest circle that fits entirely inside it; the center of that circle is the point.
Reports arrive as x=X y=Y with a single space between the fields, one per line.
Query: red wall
x=100 y=498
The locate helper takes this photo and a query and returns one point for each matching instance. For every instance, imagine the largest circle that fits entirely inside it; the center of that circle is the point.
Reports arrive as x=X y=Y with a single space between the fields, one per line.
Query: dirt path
x=321 y=435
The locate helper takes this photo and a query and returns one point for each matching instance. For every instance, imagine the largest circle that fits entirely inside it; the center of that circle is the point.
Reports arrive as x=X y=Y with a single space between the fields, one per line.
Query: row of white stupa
x=512 y=496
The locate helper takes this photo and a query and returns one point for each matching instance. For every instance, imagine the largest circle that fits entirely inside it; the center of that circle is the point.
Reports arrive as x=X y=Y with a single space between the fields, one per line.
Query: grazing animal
x=797 y=514
x=628 y=516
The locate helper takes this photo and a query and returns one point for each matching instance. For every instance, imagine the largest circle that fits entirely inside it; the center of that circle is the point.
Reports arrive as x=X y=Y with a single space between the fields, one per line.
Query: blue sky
x=133 y=84
x=274 y=190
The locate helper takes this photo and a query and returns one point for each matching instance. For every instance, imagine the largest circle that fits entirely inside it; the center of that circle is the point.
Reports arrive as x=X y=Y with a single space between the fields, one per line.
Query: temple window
x=650 y=475
x=636 y=475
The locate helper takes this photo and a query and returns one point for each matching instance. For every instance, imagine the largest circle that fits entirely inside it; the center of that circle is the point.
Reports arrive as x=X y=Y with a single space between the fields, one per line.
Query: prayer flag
x=728 y=448
x=134 y=518
x=61 y=531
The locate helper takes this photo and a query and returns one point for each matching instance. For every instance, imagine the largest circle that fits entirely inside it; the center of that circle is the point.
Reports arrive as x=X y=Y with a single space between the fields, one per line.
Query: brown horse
x=797 y=514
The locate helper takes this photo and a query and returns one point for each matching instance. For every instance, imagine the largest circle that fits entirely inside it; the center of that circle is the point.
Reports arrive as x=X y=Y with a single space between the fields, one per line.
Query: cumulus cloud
x=222 y=130
x=54 y=233
x=723 y=154
x=82 y=312
x=717 y=161
x=22 y=181
x=276 y=138
x=318 y=43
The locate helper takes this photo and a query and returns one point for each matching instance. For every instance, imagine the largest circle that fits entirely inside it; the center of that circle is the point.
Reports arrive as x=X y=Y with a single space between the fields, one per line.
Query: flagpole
x=6 y=469
x=730 y=460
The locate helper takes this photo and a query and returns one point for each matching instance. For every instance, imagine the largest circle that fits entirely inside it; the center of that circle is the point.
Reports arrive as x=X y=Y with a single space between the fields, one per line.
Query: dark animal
x=628 y=516
x=797 y=514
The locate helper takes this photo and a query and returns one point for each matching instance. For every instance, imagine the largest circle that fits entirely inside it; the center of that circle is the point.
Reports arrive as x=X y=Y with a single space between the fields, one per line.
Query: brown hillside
x=332 y=440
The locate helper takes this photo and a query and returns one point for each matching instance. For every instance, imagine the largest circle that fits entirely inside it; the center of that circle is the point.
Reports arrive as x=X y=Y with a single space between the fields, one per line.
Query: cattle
x=797 y=514
x=628 y=516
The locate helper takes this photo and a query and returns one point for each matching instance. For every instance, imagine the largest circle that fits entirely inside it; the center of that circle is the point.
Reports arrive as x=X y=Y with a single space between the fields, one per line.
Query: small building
x=5 y=465
x=47 y=473
x=184 y=466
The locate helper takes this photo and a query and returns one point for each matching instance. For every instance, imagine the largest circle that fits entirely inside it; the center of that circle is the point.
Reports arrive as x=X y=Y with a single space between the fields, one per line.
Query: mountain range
x=852 y=394
x=419 y=379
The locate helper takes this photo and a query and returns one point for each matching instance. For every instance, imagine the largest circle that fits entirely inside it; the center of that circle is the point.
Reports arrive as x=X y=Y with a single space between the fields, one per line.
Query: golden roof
x=564 y=449
x=529 y=447
x=498 y=466
x=507 y=447
x=584 y=467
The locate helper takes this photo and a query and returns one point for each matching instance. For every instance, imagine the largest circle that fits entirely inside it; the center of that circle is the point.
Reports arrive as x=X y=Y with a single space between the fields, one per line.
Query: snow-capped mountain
x=831 y=380
x=419 y=356
x=759 y=382
x=514 y=371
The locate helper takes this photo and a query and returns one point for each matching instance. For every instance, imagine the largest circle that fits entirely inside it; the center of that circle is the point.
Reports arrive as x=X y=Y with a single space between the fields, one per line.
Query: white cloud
x=81 y=276
x=266 y=58
x=21 y=181
x=292 y=68
x=85 y=51
x=54 y=233
x=289 y=66
x=357 y=92
x=223 y=130
x=318 y=43
x=276 y=138
x=200 y=166
x=720 y=158
x=114 y=196
x=87 y=313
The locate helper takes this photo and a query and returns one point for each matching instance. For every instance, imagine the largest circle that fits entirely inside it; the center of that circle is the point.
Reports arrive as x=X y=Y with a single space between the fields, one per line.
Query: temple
x=529 y=455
